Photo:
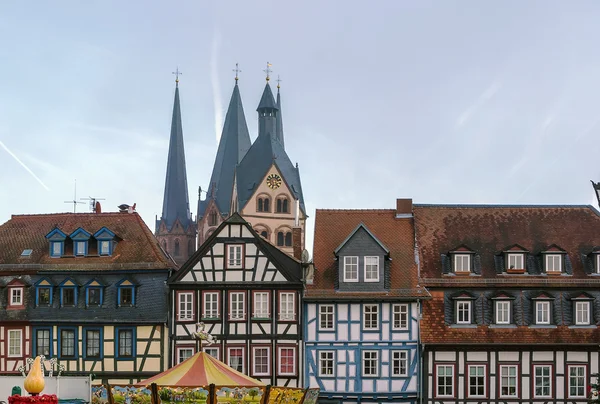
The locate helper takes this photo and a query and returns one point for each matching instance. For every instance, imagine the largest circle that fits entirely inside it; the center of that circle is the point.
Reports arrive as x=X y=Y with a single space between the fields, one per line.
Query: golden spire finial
x=236 y=70
x=177 y=73
x=278 y=81
x=268 y=71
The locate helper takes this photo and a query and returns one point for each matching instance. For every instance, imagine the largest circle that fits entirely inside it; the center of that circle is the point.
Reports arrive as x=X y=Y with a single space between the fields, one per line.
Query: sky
x=438 y=101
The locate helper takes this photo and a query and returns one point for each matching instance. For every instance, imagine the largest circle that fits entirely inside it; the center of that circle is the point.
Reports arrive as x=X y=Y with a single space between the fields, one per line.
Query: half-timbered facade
x=247 y=293
x=515 y=305
x=88 y=289
x=362 y=307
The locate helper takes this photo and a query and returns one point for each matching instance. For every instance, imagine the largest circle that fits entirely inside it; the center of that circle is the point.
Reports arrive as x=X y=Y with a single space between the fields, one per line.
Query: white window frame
x=207 y=350
x=261 y=305
x=366 y=271
x=446 y=366
x=399 y=357
x=584 y=378
x=207 y=310
x=236 y=251
x=185 y=313
x=56 y=249
x=598 y=263
x=104 y=247
x=80 y=248
x=279 y=363
x=541 y=305
x=242 y=357
x=462 y=258
x=583 y=308
x=468 y=377
x=374 y=357
x=402 y=311
x=181 y=349
x=463 y=306
x=554 y=258
x=268 y=350
x=508 y=377
x=542 y=377
x=325 y=311
x=11 y=338
x=287 y=306
x=376 y=313
x=13 y=294
x=518 y=258
x=326 y=362
x=503 y=308
x=240 y=301
x=348 y=264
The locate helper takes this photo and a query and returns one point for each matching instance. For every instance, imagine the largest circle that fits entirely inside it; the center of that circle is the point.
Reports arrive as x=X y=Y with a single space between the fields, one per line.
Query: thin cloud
x=23 y=165
x=216 y=87
x=481 y=100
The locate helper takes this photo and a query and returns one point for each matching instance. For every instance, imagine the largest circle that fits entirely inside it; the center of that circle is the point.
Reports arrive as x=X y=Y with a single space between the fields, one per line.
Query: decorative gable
x=462 y=260
x=80 y=239
x=57 y=242
x=515 y=259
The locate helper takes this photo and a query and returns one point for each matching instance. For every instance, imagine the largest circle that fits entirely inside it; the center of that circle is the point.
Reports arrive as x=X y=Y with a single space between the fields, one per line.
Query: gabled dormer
x=68 y=293
x=81 y=242
x=16 y=294
x=554 y=260
x=362 y=262
x=44 y=289
x=106 y=241
x=462 y=260
x=515 y=259
x=57 y=243
x=125 y=293
x=94 y=293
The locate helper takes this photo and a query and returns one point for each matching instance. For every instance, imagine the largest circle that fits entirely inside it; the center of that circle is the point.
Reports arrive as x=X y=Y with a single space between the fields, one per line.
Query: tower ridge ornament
x=237 y=71
x=268 y=71
x=177 y=73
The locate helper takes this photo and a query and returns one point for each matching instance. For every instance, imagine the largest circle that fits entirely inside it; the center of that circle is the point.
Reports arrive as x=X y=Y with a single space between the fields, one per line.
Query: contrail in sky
x=24 y=166
x=214 y=73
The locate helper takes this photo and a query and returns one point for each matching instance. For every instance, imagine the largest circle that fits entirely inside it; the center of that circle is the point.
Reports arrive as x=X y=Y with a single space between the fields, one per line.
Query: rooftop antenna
x=74 y=201
x=92 y=202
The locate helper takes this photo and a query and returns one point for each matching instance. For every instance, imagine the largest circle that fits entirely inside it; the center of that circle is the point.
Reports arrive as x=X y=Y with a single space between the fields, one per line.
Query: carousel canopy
x=201 y=370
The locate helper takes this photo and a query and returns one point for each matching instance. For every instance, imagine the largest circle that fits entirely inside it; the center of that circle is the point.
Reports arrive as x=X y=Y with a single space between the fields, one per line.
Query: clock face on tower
x=273 y=181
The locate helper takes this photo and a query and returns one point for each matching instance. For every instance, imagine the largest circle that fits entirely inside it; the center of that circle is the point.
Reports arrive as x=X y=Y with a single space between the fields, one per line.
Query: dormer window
x=553 y=263
x=57 y=243
x=503 y=309
x=463 y=309
x=94 y=294
x=597 y=263
x=462 y=263
x=105 y=239
x=43 y=293
x=371 y=269
x=126 y=293
x=80 y=248
x=542 y=314
x=16 y=294
x=516 y=261
x=350 y=269
x=80 y=239
x=68 y=293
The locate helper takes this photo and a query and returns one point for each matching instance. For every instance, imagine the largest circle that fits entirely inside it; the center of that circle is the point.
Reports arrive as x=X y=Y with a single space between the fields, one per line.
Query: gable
x=360 y=239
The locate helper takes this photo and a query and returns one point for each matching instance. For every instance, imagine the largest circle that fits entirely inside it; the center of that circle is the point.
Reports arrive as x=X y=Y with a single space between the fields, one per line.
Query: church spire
x=279 y=121
x=176 y=202
x=267 y=113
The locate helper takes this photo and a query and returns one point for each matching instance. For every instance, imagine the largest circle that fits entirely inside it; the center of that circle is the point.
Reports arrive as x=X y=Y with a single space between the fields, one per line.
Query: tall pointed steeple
x=267 y=113
x=279 y=122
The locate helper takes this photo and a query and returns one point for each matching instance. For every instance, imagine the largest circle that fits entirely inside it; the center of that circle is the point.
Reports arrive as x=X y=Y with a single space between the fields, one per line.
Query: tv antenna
x=74 y=201
x=92 y=201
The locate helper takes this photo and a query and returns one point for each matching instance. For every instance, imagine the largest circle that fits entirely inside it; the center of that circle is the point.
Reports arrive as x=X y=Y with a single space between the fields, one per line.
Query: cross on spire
x=177 y=73
x=237 y=71
x=268 y=71
x=278 y=81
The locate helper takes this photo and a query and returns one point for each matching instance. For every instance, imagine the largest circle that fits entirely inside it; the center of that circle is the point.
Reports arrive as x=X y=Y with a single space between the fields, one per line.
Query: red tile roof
x=397 y=234
x=136 y=246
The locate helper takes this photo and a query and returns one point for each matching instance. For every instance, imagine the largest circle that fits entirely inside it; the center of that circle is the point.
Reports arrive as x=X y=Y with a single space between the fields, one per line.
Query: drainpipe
x=421 y=351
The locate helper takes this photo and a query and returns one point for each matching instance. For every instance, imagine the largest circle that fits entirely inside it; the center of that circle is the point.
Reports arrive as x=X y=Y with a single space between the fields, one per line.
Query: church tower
x=176 y=230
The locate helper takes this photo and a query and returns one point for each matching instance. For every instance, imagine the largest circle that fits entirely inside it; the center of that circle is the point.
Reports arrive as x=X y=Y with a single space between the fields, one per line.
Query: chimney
x=404 y=208
x=297 y=242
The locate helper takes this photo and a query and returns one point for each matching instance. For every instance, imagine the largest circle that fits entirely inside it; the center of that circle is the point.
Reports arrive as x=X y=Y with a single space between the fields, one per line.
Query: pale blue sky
x=444 y=102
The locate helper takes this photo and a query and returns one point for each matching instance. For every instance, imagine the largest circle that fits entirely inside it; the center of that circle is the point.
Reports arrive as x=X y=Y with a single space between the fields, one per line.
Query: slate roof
x=234 y=143
x=279 y=126
x=332 y=227
x=176 y=203
x=267 y=101
x=136 y=246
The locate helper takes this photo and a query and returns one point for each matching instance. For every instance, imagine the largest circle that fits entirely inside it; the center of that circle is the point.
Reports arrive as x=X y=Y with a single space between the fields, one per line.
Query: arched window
x=212 y=219
x=263 y=204
x=266 y=203
x=282 y=205
x=288 y=239
x=190 y=250
x=264 y=234
x=280 y=239
x=260 y=205
x=285 y=206
x=176 y=251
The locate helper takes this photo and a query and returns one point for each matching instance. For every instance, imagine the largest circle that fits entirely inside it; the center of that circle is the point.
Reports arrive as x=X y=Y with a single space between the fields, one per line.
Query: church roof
x=234 y=143
x=176 y=202
x=267 y=100
x=279 y=125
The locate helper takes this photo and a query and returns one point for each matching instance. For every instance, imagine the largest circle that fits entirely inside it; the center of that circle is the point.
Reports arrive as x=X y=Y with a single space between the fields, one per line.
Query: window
x=211 y=305
x=260 y=361
x=263 y=205
x=445 y=380
x=212 y=219
x=288 y=239
x=94 y=296
x=370 y=363
x=184 y=354
x=186 y=305
x=236 y=358
x=577 y=381
x=16 y=296
x=280 y=239
x=15 y=343
x=542 y=380
x=176 y=249
x=56 y=248
x=463 y=312
x=400 y=312
x=582 y=313
x=553 y=263
x=234 y=256
x=67 y=343
x=264 y=234
x=502 y=311
x=214 y=352
x=371 y=269
x=126 y=296
x=350 y=269
x=508 y=380
x=282 y=205
x=326 y=317
x=261 y=305
x=42 y=342
x=68 y=296
x=80 y=247
x=236 y=306
x=399 y=363
x=371 y=317
x=476 y=381
x=104 y=247
x=92 y=343
x=598 y=263
x=515 y=261
x=326 y=363
x=287 y=361
x=43 y=296
x=542 y=312
x=286 y=306
x=462 y=263
x=125 y=339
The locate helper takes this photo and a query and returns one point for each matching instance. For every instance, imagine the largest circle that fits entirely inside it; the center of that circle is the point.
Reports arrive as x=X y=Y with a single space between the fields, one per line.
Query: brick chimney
x=297 y=242
x=404 y=207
